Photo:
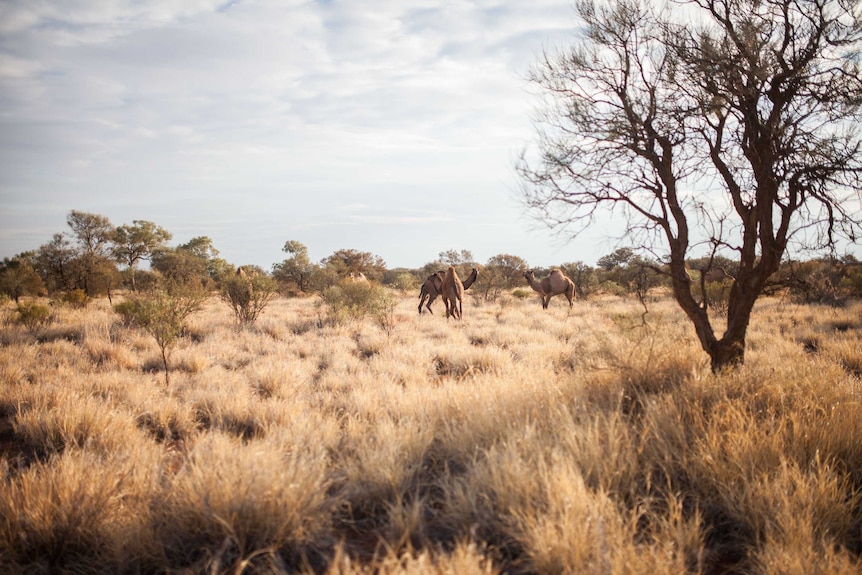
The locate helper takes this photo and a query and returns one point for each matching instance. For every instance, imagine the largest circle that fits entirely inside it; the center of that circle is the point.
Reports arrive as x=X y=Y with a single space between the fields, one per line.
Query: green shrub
x=163 y=315
x=612 y=288
x=248 y=296
x=33 y=315
x=522 y=293
x=76 y=298
x=718 y=296
x=353 y=301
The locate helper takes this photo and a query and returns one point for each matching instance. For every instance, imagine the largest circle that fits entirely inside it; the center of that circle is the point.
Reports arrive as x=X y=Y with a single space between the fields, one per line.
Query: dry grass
x=515 y=441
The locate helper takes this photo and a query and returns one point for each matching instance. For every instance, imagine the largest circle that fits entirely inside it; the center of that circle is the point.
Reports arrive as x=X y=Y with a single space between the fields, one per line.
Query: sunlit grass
x=518 y=440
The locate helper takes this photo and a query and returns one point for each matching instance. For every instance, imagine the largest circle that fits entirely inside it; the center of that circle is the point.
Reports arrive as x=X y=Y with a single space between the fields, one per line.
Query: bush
x=163 y=315
x=248 y=296
x=33 y=315
x=353 y=301
x=76 y=298
x=718 y=296
x=612 y=288
x=522 y=293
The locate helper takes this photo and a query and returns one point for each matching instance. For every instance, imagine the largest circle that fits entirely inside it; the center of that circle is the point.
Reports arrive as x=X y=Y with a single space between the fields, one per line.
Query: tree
x=297 y=269
x=163 y=314
x=179 y=266
x=344 y=262
x=501 y=272
x=195 y=262
x=93 y=264
x=202 y=247
x=18 y=278
x=619 y=258
x=137 y=242
x=583 y=276
x=462 y=260
x=93 y=232
x=54 y=262
x=629 y=271
x=248 y=295
x=729 y=127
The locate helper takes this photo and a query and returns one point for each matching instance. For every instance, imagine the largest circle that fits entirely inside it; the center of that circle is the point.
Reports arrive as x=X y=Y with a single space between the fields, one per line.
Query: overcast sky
x=364 y=124
x=367 y=125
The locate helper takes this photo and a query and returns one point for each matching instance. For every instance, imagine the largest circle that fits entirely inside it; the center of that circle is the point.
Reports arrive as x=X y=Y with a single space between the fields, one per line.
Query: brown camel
x=452 y=292
x=555 y=284
x=431 y=288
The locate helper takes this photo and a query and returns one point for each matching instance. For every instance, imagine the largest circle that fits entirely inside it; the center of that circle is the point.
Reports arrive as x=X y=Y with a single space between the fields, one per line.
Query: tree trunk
x=165 y=362
x=727 y=353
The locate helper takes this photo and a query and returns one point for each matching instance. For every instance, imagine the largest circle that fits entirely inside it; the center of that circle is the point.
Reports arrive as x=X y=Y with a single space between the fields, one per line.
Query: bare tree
x=731 y=126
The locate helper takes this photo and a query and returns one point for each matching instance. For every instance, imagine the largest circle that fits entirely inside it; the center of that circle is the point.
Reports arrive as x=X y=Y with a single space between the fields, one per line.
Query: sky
x=383 y=126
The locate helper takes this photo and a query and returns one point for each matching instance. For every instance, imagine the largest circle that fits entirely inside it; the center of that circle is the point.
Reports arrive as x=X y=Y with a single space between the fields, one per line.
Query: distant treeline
x=95 y=258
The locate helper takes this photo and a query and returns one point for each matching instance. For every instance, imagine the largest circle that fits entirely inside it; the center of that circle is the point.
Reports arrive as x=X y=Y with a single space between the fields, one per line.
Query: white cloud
x=270 y=111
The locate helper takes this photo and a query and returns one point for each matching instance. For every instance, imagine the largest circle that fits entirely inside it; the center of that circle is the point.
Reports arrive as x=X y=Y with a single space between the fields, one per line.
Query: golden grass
x=518 y=440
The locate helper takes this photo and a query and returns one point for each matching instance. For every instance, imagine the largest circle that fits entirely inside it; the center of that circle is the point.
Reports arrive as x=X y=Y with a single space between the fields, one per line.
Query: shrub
x=521 y=293
x=612 y=288
x=404 y=282
x=248 y=296
x=353 y=301
x=163 y=315
x=33 y=315
x=718 y=296
x=76 y=298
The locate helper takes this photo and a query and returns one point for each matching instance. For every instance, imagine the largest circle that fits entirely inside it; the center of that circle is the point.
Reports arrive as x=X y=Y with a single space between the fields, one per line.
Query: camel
x=431 y=288
x=555 y=284
x=452 y=292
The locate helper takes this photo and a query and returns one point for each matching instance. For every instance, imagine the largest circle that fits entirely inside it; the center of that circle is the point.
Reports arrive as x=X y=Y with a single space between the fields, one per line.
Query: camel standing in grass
x=431 y=288
x=555 y=284
x=452 y=292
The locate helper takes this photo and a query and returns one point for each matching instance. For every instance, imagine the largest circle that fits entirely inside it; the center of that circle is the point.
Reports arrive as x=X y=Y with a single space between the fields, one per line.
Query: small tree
x=248 y=296
x=18 y=278
x=163 y=314
x=352 y=301
x=462 y=260
x=33 y=316
x=501 y=272
x=295 y=272
x=136 y=243
x=93 y=266
x=54 y=263
x=583 y=276
x=345 y=262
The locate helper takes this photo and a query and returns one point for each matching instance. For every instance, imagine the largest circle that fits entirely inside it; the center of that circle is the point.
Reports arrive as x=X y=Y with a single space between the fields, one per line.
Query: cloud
x=268 y=111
